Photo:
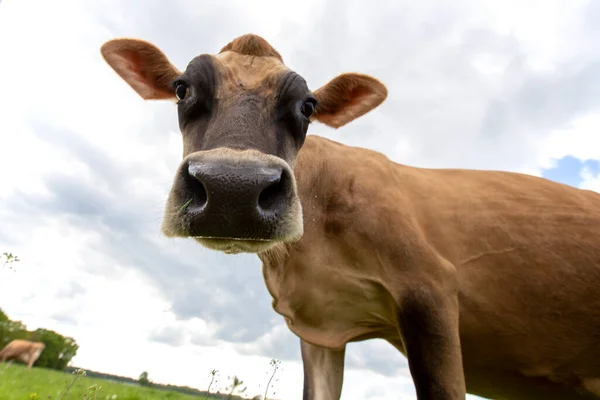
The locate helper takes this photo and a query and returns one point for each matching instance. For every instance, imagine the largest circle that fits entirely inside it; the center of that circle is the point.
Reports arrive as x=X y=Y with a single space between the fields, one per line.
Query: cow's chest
x=325 y=304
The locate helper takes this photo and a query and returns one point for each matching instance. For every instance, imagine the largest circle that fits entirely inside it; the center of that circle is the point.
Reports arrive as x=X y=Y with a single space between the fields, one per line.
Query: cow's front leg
x=428 y=323
x=323 y=372
x=30 y=360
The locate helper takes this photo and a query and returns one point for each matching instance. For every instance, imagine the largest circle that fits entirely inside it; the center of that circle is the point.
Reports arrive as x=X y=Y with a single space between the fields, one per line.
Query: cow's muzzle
x=236 y=195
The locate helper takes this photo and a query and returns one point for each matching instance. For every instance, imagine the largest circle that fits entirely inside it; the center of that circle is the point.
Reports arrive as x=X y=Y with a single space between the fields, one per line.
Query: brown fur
x=138 y=61
x=486 y=281
x=519 y=254
x=252 y=45
x=345 y=99
x=22 y=350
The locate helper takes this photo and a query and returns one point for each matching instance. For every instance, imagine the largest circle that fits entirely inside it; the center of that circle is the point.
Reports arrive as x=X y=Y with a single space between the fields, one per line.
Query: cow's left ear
x=143 y=66
x=347 y=97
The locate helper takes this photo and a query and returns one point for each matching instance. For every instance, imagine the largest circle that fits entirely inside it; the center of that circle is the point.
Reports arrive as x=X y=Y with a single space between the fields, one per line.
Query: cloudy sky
x=85 y=164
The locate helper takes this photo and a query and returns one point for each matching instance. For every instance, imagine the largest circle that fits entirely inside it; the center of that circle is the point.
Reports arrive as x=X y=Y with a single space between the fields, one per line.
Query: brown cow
x=488 y=282
x=22 y=350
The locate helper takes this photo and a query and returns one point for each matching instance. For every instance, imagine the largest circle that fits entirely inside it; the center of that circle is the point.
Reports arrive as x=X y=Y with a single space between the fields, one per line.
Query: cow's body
x=22 y=350
x=488 y=282
x=523 y=251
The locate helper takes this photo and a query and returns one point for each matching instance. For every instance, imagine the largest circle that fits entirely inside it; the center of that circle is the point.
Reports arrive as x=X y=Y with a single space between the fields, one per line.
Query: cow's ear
x=347 y=97
x=143 y=66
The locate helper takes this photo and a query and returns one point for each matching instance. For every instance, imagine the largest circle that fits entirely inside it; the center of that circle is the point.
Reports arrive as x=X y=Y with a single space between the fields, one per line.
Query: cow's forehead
x=239 y=71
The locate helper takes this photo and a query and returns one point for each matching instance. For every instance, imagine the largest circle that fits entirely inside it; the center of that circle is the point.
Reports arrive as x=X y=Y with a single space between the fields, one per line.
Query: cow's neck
x=315 y=188
x=320 y=283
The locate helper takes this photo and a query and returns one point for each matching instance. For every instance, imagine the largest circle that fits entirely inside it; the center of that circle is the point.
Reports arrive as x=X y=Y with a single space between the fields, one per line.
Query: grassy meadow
x=16 y=383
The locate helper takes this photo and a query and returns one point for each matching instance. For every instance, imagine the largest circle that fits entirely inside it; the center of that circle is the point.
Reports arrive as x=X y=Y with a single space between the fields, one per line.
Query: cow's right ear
x=347 y=97
x=143 y=66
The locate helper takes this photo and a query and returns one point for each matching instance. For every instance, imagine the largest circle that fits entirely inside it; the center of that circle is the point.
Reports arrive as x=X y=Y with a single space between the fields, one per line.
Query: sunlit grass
x=16 y=383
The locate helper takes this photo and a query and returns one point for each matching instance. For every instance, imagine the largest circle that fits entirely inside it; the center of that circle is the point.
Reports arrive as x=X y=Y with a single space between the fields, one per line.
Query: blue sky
x=568 y=170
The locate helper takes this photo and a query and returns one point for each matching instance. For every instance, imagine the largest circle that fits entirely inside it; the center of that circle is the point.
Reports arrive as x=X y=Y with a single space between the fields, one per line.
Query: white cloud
x=86 y=164
x=579 y=139
x=591 y=180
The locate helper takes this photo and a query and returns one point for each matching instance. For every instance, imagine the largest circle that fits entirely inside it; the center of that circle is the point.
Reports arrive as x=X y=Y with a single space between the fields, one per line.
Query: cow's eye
x=182 y=91
x=308 y=107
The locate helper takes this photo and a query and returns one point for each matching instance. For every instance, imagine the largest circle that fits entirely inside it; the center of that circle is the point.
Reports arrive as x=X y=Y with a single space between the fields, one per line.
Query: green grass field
x=16 y=383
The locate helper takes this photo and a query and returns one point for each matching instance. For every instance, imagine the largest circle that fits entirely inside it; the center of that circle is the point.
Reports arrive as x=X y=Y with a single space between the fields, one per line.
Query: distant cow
x=487 y=281
x=22 y=350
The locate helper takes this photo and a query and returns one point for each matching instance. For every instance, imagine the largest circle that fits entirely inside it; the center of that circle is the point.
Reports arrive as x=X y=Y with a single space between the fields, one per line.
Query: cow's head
x=243 y=115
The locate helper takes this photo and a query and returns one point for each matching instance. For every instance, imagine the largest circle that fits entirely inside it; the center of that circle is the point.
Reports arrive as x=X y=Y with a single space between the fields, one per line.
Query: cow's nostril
x=273 y=195
x=197 y=190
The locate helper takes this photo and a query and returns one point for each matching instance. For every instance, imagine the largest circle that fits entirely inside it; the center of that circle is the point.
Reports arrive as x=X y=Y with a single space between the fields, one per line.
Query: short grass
x=16 y=383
